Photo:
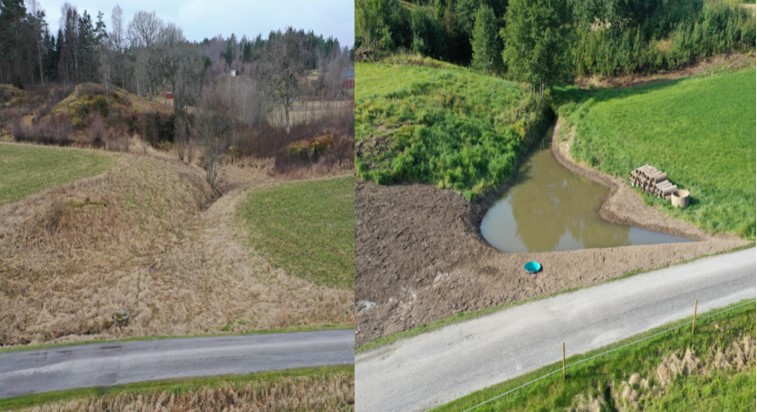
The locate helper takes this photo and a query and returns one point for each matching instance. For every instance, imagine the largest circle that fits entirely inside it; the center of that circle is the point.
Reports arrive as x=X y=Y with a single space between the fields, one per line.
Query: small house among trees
x=348 y=79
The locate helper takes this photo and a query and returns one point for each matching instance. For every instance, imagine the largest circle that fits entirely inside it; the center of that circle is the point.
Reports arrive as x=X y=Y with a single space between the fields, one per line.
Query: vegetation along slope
x=707 y=370
x=700 y=130
x=30 y=169
x=418 y=120
x=306 y=227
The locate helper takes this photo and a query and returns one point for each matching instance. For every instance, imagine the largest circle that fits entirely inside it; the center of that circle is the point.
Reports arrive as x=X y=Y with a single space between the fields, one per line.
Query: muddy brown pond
x=551 y=209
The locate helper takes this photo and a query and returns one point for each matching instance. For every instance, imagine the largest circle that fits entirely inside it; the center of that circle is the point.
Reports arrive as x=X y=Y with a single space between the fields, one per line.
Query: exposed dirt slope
x=146 y=238
x=420 y=256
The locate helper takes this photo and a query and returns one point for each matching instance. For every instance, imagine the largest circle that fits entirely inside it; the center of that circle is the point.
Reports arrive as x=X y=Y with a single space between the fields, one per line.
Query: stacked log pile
x=653 y=181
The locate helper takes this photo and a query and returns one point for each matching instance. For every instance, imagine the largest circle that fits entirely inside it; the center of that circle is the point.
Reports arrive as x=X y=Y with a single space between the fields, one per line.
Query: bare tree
x=187 y=80
x=168 y=55
x=284 y=68
x=118 y=45
x=215 y=124
x=144 y=31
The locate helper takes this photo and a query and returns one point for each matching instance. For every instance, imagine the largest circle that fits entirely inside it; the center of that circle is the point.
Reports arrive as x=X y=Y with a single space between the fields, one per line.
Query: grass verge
x=600 y=372
x=435 y=123
x=28 y=169
x=164 y=337
x=475 y=314
x=306 y=228
x=699 y=130
x=308 y=383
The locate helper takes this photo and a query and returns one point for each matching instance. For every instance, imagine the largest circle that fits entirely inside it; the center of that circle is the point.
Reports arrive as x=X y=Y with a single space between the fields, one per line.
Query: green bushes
x=668 y=39
x=450 y=127
x=612 y=38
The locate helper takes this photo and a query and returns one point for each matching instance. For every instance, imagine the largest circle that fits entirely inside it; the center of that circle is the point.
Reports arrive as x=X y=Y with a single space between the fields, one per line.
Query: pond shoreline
x=623 y=205
x=420 y=256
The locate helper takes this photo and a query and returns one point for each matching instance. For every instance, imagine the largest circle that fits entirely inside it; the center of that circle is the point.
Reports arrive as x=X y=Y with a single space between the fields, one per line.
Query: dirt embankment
x=420 y=256
x=148 y=238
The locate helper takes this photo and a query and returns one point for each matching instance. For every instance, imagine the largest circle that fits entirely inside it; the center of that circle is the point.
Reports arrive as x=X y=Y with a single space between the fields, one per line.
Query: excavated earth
x=420 y=256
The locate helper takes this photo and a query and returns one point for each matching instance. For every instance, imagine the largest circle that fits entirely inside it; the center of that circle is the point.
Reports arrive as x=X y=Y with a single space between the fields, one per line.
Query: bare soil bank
x=420 y=256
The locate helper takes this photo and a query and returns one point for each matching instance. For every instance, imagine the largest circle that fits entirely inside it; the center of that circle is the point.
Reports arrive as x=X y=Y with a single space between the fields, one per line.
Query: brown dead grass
x=118 y=100
x=146 y=238
x=630 y=393
x=330 y=392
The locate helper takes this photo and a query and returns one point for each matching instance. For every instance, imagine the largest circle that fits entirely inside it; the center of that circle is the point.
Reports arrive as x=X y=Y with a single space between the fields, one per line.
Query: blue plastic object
x=532 y=266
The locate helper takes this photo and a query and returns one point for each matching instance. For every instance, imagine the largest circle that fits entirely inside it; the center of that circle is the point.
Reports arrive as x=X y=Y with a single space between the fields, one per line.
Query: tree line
x=547 y=42
x=144 y=55
x=225 y=90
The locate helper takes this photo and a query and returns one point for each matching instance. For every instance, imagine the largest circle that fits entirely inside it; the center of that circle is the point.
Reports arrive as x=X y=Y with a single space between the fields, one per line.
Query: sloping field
x=147 y=238
x=700 y=130
x=26 y=169
x=308 y=228
x=429 y=122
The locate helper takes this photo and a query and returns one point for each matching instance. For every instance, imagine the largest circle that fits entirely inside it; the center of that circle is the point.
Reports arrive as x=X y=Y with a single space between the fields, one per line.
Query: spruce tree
x=485 y=42
x=538 y=42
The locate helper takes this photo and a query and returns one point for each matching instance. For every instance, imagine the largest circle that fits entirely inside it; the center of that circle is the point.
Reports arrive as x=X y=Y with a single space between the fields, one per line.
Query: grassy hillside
x=307 y=228
x=719 y=370
x=699 y=130
x=25 y=169
x=430 y=122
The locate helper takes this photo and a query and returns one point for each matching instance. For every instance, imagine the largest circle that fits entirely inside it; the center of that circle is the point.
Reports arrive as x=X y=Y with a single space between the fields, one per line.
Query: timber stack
x=653 y=181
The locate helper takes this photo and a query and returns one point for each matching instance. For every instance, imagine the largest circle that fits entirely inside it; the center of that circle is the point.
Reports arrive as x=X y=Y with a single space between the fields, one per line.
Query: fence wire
x=702 y=317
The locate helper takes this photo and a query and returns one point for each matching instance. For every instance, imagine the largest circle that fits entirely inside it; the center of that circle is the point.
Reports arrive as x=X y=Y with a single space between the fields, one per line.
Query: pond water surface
x=551 y=209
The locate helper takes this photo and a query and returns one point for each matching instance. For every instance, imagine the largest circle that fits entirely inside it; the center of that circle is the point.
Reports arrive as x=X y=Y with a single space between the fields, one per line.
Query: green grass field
x=418 y=120
x=307 y=228
x=729 y=390
x=701 y=131
x=28 y=169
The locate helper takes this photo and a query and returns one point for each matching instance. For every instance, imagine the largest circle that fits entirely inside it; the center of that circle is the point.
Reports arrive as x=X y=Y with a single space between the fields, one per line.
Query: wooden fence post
x=694 y=323
x=563 y=359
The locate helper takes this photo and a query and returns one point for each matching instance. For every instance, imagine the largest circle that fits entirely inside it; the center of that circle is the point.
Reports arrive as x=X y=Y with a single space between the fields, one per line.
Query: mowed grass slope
x=723 y=379
x=430 y=122
x=28 y=169
x=701 y=131
x=306 y=228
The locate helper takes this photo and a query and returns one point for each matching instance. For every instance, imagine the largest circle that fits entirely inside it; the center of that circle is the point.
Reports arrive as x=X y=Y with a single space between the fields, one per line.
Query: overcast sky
x=207 y=18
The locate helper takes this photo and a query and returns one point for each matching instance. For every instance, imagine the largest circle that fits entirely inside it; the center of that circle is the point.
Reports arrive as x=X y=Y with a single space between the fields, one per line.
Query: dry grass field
x=304 y=112
x=312 y=389
x=148 y=238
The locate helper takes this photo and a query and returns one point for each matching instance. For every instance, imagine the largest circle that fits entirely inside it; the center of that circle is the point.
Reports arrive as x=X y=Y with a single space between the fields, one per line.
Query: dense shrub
x=612 y=38
x=446 y=126
x=154 y=127
x=97 y=132
x=54 y=130
x=670 y=38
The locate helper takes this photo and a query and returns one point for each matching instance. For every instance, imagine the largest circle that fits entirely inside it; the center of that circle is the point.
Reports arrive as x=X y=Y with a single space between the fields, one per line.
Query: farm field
x=699 y=130
x=28 y=169
x=423 y=121
x=714 y=366
x=322 y=388
x=419 y=255
x=306 y=227
x=147 y=237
